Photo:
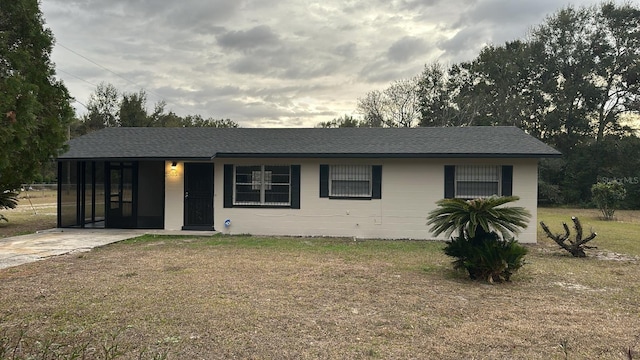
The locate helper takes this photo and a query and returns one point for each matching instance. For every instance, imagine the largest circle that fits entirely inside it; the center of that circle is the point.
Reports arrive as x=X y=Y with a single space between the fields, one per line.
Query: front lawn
x=36 y=211
x=263 y=298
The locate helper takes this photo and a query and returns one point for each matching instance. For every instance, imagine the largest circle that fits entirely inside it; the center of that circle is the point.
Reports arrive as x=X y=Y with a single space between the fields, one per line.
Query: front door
x=198 y=196
x=121 y=207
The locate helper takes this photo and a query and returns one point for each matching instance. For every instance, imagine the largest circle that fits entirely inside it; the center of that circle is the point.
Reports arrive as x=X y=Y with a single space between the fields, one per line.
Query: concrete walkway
x=23 y=249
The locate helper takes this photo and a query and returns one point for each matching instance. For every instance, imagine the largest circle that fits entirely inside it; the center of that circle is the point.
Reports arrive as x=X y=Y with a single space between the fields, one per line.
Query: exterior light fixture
x=174 y=169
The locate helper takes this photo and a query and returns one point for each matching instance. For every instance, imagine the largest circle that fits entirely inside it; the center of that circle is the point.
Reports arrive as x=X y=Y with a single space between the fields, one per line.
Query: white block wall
x=410 y=188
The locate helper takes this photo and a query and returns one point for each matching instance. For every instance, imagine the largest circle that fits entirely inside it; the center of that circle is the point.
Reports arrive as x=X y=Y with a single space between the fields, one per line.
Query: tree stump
x=575 y=247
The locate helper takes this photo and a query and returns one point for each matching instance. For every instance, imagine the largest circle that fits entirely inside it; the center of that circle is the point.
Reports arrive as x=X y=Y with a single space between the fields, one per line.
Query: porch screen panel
x=127 y=190
x=99 y=192
x=68 y=188
x=88 y=192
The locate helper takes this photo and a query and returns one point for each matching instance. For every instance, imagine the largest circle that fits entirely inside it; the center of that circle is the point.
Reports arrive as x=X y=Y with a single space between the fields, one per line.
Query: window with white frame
x=477 y=181
x=262 y=185
x=350 y=181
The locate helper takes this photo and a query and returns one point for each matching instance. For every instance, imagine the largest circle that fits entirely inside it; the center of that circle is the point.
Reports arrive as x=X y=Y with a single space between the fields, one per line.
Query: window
x=262 y=186
x=350 y=181
x=477 y=181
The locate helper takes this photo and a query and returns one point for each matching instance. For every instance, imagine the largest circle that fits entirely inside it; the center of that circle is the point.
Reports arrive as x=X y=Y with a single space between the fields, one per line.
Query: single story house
x=353 y=182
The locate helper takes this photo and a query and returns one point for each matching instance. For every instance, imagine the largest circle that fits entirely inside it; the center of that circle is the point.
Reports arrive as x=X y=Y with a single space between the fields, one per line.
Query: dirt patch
x=612 y=256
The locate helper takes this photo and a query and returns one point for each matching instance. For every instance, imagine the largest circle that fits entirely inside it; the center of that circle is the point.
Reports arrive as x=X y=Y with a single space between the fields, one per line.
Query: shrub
x=607 y=196
x=487 y=257
x=477 y=246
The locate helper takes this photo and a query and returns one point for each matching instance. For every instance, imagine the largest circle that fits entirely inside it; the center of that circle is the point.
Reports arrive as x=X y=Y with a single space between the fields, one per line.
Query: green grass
x=620 y=236
x=285 y=243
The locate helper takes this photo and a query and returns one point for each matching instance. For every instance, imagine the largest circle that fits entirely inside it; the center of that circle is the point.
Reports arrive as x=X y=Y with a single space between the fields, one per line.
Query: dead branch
x=575 y=247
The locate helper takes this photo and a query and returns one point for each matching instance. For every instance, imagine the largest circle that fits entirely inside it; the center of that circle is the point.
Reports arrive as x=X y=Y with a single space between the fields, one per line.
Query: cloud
x=467 y=41
x=265 y=63
x=405 y=49
x=347 y=50
x=259 y=36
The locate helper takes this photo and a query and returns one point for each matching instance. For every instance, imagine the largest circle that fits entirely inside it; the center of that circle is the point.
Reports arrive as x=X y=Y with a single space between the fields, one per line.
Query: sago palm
x=8 y=200
x=478 y=216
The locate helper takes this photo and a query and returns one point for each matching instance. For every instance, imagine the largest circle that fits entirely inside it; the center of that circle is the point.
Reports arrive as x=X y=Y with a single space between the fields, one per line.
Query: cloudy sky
x=272 y=63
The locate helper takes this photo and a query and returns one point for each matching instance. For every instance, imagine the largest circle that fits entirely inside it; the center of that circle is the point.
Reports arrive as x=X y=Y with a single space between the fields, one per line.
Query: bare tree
x=402 y=103
x=396 y=106
x=373 y=108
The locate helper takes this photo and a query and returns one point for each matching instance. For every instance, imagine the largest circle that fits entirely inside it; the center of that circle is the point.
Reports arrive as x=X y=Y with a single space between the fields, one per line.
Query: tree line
x=573 y=83
x=108 y=107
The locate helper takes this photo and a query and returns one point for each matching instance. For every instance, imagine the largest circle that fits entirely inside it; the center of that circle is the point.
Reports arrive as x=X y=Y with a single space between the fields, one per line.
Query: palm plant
x=478 y=216
x=477 y=247
x=8 y=200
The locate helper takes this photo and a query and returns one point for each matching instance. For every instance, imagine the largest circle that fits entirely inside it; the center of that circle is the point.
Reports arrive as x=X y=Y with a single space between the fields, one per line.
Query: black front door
x=198 y=196
x=121 y=195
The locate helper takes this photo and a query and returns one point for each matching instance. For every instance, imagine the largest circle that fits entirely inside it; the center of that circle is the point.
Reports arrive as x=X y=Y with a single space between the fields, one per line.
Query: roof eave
x=389 y=155
x=142 y=158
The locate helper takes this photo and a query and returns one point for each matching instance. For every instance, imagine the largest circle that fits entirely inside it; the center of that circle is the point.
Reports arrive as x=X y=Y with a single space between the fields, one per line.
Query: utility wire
x=77 y=77
x=101 y=66
x=113 y=72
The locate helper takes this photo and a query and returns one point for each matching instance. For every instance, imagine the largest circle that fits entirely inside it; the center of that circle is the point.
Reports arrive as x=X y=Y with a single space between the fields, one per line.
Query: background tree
x=108 y=107
x=103 y=107
x=199 y=121
x=133 y=110
x=436 y=96
x=373 y=108
x=34 y=106
x=573 y=83
x=161 y=118
x=395 y=106
x=402 y=103
x=343 y=121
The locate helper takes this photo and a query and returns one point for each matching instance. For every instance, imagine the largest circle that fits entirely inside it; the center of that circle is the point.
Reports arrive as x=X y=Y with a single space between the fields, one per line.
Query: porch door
x=198 y=196
x=121 y=208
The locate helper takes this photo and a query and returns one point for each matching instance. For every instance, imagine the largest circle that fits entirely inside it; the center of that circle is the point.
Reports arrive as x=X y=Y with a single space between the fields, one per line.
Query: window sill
x=350 y=198
x=258 y=206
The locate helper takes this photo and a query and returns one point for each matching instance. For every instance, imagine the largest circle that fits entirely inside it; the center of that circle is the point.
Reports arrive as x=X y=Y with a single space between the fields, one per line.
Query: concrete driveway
x=33 y=247
x=23 y=249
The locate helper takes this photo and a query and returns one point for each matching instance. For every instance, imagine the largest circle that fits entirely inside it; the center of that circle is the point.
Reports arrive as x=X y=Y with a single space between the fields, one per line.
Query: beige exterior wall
x=410 y=188
x=174 y=196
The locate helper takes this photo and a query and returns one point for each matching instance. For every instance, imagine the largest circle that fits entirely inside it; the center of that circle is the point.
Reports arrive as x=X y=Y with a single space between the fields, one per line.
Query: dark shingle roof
x=207 y=143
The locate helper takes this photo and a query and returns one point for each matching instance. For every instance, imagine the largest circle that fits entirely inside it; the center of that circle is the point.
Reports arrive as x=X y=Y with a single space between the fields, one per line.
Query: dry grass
x=36 y=211
x=259 y=298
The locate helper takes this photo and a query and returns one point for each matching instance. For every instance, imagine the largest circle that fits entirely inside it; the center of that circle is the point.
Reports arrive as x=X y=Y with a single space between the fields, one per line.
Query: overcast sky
x=272 y=63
